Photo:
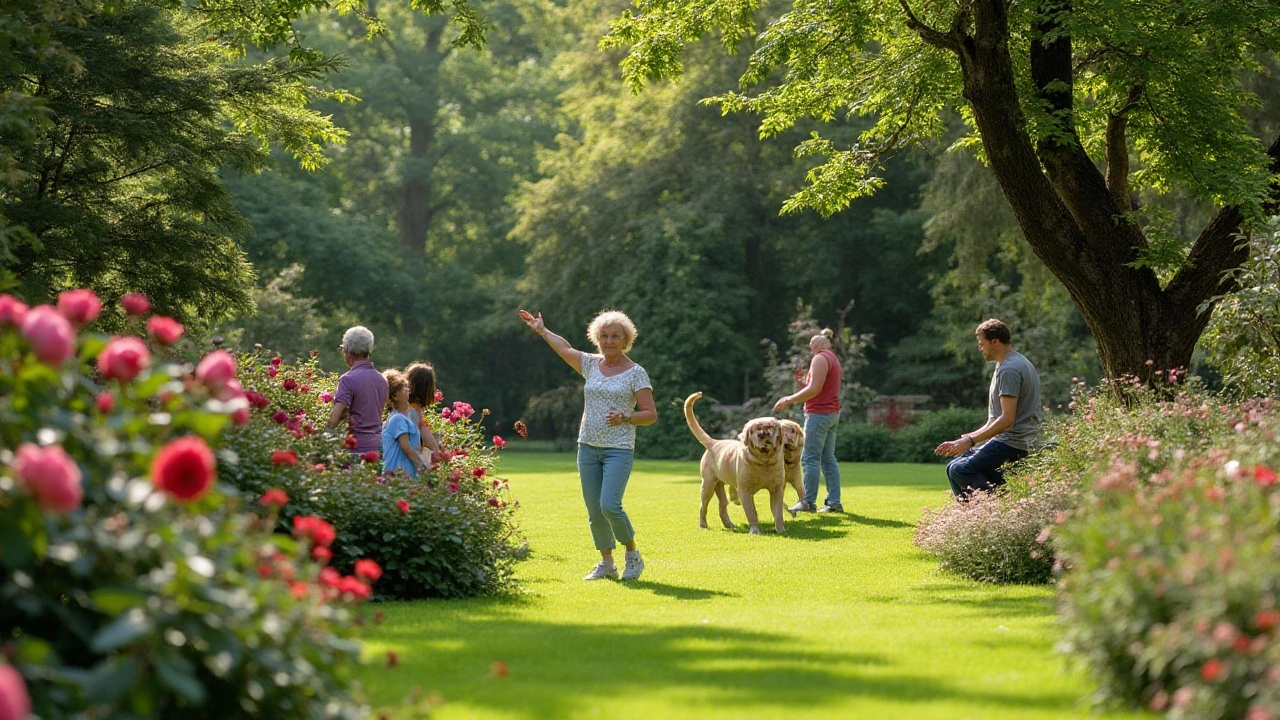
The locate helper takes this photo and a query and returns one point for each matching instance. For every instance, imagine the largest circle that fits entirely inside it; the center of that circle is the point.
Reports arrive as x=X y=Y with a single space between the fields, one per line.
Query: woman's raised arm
x=557 y=343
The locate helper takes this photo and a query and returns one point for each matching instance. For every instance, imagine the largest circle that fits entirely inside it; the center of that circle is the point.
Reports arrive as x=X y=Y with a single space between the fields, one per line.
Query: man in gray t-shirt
x=1013 y=418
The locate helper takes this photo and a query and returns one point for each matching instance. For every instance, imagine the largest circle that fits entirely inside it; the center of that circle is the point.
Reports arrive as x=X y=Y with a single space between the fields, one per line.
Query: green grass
x=841 y=617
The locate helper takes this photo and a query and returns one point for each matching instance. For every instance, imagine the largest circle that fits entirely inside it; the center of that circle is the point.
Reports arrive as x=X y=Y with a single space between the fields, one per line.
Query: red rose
x=104 y=402
x=256 y=399
x=184 y=468
x=79 y=306
x=478 y=472
x=216 y=369
x=331 y=577
x=402 y=506
x=1265 y=620
x=15 y=703
x=273 y=371
x=350 y=442
x=1264 y=476
x=299 y=589
x=240 y=415
x=275 y=361
x=123 y=359
x=289 y=384
x=288 y=458
x=322 y=554
x=498 y=442
x=304 y=389
x=12 y=311
x=1212 y=670
x=368 y=569
x=281 y=417
x=274 y=497
x=164 y=330
x=310 y=526
x=494 y=502
x=351 y=585
x=135 y=304
x=453 y=487
x=50 y=475
x=370 y=457
x=51 y=336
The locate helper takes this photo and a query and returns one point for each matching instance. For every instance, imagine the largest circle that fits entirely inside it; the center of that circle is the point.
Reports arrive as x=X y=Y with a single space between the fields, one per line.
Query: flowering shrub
x=130 y=585
x=451 y=533
x=1170 y=564
x=997 y=537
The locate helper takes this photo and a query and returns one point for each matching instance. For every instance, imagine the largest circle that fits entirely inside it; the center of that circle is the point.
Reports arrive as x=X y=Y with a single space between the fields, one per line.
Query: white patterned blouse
x=602 y=393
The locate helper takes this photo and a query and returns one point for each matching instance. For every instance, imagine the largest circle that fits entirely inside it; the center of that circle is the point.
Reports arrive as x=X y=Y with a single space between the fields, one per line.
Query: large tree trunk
x=418 y=202
x=1070 y=216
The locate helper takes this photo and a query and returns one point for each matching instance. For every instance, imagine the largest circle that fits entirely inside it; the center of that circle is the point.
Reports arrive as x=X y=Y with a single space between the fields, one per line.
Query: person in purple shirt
x=362 y=392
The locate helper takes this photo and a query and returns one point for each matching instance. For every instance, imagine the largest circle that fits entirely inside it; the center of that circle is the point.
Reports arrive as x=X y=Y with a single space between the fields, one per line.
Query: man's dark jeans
x=979 y=469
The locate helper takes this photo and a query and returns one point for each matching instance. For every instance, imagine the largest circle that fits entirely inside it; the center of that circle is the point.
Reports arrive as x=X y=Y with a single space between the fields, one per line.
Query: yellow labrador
x=792 y=447
x=748 y=465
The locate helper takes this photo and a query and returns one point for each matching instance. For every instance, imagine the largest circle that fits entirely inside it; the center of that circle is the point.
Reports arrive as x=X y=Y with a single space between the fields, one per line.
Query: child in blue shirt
x=400 y=435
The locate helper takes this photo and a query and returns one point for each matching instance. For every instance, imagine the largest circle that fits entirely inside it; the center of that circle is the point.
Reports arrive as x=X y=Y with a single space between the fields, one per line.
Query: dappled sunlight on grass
x=839 y=617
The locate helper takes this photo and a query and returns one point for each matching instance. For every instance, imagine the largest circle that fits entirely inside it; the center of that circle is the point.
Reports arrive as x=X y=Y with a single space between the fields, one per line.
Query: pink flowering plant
x=131 y=583
x=1170 y=564
x=450 y=533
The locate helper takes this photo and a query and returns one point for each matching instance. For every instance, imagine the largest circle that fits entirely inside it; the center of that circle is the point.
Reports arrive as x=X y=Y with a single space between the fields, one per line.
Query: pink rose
x=79 y=306
x=104 y=402
x=49 y=333
x=164 y=330
x=12 y=311
x=14 y=701
x=123 y=358
x=273 y=371
x=216 y=369
x=326 y=397
x=135 y=304
x=51 y=476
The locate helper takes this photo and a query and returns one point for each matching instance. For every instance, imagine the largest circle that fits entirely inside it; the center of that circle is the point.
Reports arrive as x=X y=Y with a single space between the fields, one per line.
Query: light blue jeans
x=604 y=473
x=820 y=453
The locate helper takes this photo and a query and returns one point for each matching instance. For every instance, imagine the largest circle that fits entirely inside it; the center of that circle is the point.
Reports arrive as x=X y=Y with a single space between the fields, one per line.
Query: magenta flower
x=79 y=306
x=123 y=358
x=135 y=304
x=49 y=333
x=51 y=476
x=216 y=369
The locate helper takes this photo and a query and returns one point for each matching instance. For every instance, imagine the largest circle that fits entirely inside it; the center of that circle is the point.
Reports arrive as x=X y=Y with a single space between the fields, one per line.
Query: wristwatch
x=626 y=416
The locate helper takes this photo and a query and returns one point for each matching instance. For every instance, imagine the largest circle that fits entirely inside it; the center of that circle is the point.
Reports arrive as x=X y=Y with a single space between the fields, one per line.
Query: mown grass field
x=841 y=617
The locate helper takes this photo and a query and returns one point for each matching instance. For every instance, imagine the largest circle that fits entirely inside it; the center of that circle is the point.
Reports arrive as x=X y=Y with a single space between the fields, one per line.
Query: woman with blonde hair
x=607 y=434
x=400 y=436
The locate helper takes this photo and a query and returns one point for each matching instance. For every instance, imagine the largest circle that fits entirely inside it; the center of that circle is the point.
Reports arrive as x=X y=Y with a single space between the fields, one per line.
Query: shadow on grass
x=878 y=522
x=982 y=599
x=675 y=591
x=558 y=670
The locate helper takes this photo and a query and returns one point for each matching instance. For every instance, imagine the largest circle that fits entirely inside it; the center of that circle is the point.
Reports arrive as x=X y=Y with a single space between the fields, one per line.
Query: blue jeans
x=980 y=468
x=604 y=473
x=820 y=453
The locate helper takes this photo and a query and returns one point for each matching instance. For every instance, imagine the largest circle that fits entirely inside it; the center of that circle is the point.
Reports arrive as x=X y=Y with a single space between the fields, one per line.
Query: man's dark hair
x=994 y=330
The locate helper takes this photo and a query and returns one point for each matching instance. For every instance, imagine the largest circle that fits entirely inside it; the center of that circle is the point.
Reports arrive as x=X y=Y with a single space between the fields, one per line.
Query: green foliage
x=868 y=442
x=1243 y=337
x=787 y=375
x=458 y=537
x=135 y=603
x=1170 y=584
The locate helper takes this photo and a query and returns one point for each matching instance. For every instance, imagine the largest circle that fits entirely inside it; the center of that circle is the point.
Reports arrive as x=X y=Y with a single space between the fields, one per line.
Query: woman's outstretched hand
x=535 y=323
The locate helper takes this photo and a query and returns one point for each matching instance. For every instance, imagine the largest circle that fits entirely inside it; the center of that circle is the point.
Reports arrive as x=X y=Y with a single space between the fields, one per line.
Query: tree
x=1076 y=104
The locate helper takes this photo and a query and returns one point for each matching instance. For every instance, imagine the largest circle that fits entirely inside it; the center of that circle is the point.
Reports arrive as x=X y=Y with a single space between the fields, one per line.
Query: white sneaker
x=603 y=570
x=635 y=566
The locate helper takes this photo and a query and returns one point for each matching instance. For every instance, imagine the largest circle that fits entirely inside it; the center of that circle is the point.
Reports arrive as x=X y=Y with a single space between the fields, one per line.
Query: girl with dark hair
x=422 y=395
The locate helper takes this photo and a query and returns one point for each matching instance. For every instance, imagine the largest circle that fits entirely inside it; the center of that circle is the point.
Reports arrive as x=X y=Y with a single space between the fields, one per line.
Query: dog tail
x=694 y=427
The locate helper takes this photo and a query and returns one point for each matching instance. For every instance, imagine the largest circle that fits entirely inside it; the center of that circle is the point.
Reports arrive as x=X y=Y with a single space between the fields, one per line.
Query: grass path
x=841 y=617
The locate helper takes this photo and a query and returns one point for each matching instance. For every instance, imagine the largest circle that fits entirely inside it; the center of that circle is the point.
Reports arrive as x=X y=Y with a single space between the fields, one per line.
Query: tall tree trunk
x=1069 y=216
x=418 y=202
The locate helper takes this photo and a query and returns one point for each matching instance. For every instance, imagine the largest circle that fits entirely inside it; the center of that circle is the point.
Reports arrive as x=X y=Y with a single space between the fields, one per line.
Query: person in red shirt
x=821 y=398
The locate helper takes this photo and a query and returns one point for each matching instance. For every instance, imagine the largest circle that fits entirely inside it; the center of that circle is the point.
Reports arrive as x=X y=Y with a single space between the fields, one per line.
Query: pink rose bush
x=1158 y=511
x=110 y=497
x=386 y=516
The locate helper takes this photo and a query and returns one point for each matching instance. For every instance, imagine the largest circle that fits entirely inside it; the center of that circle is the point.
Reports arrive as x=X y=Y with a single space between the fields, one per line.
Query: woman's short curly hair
x=608 y=318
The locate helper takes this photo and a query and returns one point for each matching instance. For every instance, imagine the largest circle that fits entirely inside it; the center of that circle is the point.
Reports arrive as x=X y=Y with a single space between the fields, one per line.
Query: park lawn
x=841 y=617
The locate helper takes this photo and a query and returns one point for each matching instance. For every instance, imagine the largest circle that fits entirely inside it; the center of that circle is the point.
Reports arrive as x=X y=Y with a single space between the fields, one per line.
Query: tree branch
x=931 y=35
x=1118 y=151
x=1216 y=252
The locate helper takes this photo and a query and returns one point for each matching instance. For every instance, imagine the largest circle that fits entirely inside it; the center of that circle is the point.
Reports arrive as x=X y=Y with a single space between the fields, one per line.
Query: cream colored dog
x=748 y=465
x=792 y=447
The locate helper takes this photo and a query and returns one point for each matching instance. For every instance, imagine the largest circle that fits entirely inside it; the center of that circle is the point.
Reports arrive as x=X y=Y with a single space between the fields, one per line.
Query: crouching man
x=1013 y=418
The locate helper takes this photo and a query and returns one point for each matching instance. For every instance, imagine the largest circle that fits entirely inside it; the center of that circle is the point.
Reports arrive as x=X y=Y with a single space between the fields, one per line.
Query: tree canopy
x=1078 y=107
